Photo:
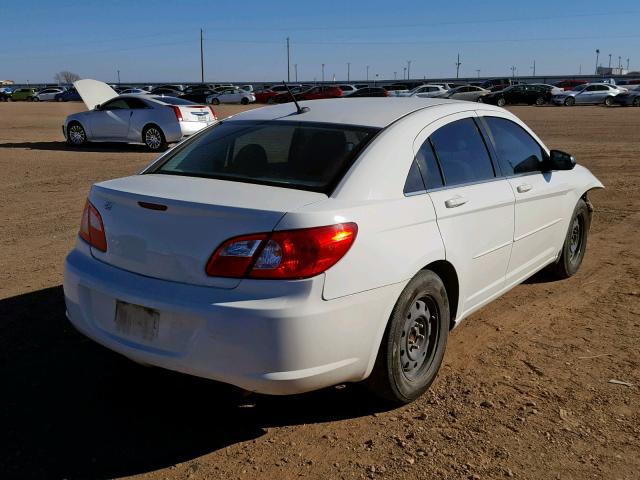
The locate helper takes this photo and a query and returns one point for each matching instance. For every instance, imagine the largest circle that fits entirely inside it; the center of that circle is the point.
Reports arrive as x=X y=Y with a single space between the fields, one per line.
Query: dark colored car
x=369 y=92
x=5 y=97
x=70 y=95
x=197 y=95
x=569 y=84
x=630 y=98
x=397 y=87
x=528 y=94
x=497 y=83
x=167 y=92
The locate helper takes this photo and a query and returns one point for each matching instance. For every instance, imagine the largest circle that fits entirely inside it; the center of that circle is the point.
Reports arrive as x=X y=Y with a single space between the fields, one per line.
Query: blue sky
x=245 y=40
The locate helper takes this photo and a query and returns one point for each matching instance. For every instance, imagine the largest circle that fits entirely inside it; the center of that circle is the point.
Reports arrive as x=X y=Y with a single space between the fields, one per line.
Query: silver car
x=148 y=119
x=587 y=94
x=469 y=93
x=47 y=94
x=425 y=91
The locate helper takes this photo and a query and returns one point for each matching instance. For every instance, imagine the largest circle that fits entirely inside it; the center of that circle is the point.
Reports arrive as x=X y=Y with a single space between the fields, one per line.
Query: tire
x=636 y=102
x=271 y=101
x=29 y=99
x=76 y=134
x=501 y=102
x=608 y=101
x=35 y=99
x=215 y=101
x=153 y=137
x=569 y=101
x=480 y=100
x=575 y=243
x=244 y=101
x=406 y=364
x=540 y=101
x=60 y=99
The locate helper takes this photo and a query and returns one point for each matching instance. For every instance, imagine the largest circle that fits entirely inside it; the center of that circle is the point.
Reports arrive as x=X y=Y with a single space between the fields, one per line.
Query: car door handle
x=455 y=202
x=523 y=188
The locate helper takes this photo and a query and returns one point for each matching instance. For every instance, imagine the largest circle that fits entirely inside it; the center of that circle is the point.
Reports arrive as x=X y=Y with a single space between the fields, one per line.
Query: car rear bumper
x=189 y=128
x=273 y=337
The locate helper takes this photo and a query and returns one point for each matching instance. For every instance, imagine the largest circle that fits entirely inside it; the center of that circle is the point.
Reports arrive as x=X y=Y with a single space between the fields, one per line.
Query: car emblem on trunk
x=108 y=205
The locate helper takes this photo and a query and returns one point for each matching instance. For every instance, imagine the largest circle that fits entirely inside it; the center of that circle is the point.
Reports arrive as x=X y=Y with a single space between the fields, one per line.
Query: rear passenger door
x=474 y=206
x=540 y=197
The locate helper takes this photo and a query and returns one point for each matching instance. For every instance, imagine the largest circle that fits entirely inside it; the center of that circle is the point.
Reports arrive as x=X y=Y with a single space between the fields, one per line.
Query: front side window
x=461 y=153
x=517 y=151
x=303 y=155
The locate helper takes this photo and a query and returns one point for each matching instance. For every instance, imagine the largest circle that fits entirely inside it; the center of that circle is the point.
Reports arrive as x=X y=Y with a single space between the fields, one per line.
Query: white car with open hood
x=288 y=249
x=152 y=120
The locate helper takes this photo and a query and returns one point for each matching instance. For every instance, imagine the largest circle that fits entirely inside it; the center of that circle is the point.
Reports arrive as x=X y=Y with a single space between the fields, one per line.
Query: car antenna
x=293 y=97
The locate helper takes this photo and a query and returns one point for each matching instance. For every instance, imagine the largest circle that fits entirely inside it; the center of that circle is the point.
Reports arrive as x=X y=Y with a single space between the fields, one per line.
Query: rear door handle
x=455 y=202
x=523 y=188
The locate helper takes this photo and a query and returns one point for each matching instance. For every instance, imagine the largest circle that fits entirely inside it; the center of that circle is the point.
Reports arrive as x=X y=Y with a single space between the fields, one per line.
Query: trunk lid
x=175 y=243
x=196 y=113
x=94 y=92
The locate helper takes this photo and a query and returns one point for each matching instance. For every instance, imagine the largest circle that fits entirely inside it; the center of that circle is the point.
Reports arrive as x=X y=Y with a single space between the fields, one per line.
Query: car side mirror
x=559 y=160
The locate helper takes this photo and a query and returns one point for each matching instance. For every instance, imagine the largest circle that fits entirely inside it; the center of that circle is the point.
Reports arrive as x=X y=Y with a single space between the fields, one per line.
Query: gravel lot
x=524 y=391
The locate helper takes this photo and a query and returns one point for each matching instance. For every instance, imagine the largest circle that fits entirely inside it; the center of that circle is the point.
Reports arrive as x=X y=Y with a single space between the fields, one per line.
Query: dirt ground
x=524 y=392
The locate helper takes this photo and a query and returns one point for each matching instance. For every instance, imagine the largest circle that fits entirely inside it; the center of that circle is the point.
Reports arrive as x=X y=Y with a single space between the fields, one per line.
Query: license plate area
x=137 y=322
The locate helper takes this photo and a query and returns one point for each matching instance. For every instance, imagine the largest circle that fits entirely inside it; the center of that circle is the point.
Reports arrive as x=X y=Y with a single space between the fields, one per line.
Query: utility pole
x=458 y=63
x=619 y=62
x=288 y=62
x=627 y=64
x=580 y=69
x=404 y=72
x=534 y=68
x=323 y=72
x=118 y=77
x=348 y=71
x=295 y=67
x=408 y=69
x=513 y=71
x=478 y=72
x=367 y=73
x=201 y=59
x=597 y=57
x=395 y=75
x=609 y=60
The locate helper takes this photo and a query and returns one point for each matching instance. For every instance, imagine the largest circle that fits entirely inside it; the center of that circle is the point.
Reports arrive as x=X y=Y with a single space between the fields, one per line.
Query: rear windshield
x=173 y=101
x=303 y=155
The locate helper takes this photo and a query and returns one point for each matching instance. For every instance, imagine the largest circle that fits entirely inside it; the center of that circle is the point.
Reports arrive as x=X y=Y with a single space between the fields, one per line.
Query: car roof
x=371 y=112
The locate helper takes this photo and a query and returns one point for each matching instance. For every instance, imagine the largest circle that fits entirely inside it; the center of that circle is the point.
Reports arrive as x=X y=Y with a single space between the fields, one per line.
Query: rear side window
x=517 y=151
x=462 y=154
x=303 y=155
x=429 y=166
x=174 y=101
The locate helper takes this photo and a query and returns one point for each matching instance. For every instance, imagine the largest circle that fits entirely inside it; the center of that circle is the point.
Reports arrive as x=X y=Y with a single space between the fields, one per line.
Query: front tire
x=76 y=134
x=575 y=243
x=570 y=102
x=215 y=101
x=414 y=342
x=244 y=101
x=154 y=139
x=608 y=101
x=540 y=101
x=501 y=102
x=480 y=100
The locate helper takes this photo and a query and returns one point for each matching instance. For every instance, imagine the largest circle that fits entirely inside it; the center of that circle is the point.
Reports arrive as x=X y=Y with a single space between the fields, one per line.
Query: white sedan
x=425 y=91
x=47 y=94
x=134 y=118
x=286 y=250
x=232 y=95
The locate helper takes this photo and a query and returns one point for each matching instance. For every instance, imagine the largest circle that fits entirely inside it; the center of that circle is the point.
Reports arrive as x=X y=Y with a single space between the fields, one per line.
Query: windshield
x=304 y=155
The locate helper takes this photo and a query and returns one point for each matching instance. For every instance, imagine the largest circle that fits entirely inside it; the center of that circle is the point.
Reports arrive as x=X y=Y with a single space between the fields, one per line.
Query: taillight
x=92 y=228
x=178 y=112
x=386 y=93
x=288 y=254
x=213 y=113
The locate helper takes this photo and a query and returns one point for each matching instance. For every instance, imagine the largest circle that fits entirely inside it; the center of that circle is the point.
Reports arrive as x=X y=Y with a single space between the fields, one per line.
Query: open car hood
x=94 y=92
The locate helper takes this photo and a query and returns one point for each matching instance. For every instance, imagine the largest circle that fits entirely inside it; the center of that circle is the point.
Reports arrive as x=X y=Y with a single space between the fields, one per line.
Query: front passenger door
x=475 y=210
x=112 y=120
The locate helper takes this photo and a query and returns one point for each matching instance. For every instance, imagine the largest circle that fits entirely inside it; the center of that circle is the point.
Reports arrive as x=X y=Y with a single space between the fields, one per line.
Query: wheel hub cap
x=576 y=239
x=76 y=134
x=153 y=138
x=419 y=337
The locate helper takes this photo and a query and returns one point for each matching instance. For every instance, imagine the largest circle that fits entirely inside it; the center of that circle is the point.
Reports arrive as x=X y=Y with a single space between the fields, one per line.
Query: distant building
x=611 y=71
x=7 y=82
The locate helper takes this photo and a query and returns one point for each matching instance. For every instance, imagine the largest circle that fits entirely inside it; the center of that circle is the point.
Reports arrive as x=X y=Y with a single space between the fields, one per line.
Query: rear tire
x=501 y=102
x=636 y=102
x=35 y=99
x=76 y=134
x=480 y=100
x=244 y=101
x=215 y=101
x=414 y=342
x=575 y=242
x=570 y=102
x=540 y=101
x=153 y=137
x=608 y=101
x=29 y=99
